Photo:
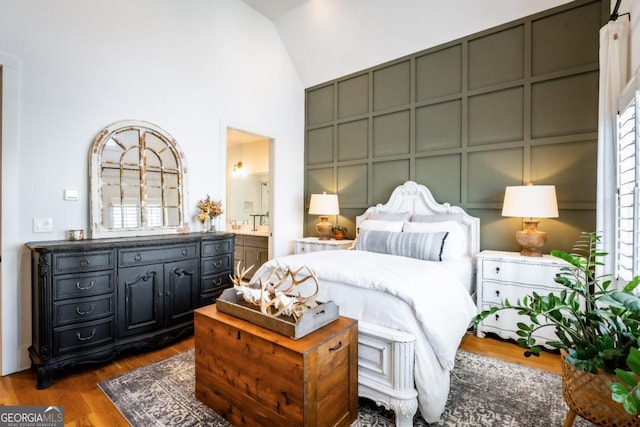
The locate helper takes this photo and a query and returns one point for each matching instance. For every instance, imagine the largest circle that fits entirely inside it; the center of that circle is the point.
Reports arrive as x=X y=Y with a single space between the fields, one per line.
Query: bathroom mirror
x=249 y=202
x=138 y=178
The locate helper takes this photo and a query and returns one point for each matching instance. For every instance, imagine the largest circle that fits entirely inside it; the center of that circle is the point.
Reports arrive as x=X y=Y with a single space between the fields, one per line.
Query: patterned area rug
x=484 y=392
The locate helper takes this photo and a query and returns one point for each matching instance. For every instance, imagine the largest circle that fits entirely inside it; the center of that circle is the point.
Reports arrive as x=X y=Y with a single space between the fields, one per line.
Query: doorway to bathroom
x=248 y=182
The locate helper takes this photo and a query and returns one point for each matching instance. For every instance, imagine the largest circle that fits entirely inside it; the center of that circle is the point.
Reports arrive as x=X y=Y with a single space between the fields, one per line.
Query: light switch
x=42 y=225
x=71 y=194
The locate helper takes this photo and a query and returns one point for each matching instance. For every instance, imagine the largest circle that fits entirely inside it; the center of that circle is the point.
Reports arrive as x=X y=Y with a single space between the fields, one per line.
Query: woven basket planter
x=589 y=396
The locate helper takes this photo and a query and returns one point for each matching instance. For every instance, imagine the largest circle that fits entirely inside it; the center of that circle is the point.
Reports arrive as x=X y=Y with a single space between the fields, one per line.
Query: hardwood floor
x=86 y=405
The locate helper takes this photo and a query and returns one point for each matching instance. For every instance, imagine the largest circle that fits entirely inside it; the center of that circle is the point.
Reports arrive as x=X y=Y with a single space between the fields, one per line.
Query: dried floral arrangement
x=209 y=209
x=275 y=295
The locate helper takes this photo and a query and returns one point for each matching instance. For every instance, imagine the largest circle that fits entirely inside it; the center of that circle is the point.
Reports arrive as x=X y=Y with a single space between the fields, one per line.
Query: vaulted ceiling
x=326 y=39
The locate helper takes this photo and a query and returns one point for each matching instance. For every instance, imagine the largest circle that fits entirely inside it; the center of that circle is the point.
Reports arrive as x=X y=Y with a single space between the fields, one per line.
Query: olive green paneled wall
x=511 y=105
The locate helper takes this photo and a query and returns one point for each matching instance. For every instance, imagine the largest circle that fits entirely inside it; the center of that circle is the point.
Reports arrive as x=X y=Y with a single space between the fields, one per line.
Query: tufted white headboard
x=416 y=199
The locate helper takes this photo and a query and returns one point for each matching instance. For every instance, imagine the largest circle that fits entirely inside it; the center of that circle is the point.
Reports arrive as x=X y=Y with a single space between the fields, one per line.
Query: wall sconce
x=324 y=205
x=238 y=170
x=530 y=201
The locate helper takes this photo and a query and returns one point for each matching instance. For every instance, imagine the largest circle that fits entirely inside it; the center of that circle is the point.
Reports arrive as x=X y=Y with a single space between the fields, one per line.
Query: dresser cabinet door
x=180 y=291
x=140 y=298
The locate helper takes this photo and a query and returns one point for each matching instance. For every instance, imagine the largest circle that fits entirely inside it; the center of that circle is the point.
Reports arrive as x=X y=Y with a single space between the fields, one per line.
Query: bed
x=409 y=280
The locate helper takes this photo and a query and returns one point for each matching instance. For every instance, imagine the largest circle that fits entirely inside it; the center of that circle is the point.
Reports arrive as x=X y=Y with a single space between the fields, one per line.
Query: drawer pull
x=137 y=257
x=497 y=293
x=336 y=347
x=218 y=283
x=82 y=313
x=497 y=317
x=85 y=288
x=84 y=262
x=497 y=270
x=185 y=252
x=81 y=338
x=218 y=248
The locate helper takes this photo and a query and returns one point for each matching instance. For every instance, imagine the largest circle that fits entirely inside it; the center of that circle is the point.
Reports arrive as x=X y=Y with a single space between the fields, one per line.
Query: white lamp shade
x=324 y=204
x=530 y=201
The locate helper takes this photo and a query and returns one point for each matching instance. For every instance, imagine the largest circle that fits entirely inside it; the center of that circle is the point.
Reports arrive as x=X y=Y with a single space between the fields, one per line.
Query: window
x=628 y=201
x=137 y=181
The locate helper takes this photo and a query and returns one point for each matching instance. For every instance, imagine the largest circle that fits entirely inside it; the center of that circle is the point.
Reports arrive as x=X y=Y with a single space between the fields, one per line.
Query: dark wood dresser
x=92 y=299
x=255 y=377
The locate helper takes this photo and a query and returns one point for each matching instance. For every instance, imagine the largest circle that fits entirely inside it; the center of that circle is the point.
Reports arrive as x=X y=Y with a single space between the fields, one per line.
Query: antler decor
x=275 y=296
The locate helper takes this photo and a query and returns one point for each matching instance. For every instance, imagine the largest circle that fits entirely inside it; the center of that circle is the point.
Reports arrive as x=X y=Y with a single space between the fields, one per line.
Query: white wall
x=633 y=7
x=327 y=39
x=192 y=67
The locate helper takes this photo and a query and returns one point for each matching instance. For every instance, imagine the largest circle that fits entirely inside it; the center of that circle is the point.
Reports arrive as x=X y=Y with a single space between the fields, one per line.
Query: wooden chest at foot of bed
x=255 y=377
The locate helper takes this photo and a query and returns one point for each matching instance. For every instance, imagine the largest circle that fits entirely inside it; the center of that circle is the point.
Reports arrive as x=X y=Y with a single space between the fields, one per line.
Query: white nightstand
x=313 y=244
x=509 y=275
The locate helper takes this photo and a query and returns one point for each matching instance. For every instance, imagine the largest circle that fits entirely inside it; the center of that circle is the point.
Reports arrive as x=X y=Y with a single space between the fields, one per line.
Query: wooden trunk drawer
x=85 y=261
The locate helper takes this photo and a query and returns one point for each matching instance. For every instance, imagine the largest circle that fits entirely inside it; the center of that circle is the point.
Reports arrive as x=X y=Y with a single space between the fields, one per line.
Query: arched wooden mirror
x=138 y=181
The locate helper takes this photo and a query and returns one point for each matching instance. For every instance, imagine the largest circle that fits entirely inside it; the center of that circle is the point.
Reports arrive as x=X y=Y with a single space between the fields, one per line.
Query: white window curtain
x=614 y=52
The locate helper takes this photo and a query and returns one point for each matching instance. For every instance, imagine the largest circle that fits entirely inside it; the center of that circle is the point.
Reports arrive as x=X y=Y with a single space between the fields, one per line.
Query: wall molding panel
x=514 y=104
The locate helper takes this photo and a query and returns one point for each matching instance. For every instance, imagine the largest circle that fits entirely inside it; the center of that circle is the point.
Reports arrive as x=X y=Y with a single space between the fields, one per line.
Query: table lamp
x=324 y=205
x=530 y=201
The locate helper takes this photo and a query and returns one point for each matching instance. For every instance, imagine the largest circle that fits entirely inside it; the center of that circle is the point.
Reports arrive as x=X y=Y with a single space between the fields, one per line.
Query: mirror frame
x=98 y=229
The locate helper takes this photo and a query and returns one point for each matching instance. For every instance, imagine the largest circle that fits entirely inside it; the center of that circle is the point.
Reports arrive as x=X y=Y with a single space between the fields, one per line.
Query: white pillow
x=381 y=225
x=455 y=244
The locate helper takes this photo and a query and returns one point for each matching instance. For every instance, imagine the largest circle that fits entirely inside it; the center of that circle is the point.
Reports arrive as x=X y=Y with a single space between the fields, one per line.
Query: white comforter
x=427 y=301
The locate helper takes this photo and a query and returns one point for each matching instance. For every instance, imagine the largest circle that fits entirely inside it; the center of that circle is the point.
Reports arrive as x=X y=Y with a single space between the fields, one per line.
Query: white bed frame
x=386 y=356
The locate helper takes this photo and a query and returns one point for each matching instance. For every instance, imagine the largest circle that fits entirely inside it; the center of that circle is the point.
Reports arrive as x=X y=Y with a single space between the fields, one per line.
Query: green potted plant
x=597 y=329
x=338 y=231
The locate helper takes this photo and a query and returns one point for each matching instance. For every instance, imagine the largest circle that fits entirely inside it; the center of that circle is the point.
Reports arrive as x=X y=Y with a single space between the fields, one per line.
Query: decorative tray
x=323 y=314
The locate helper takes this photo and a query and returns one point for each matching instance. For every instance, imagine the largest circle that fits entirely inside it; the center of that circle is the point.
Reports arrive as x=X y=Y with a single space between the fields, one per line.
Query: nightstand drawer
x=496 y=292
x=534 y=274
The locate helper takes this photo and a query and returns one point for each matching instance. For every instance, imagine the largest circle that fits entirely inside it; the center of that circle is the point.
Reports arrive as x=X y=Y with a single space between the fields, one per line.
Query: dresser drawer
x=217 y=247
x=83 y=310
x=85 y=261
x=534 y=274
x=216 y=265
x=214 y=284
x=83 y=285
x=139 y=256
x=83 y=337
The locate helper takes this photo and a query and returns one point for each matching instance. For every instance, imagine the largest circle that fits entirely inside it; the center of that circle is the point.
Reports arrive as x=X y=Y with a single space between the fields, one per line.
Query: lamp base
x=531 y=239
x=324 y=228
